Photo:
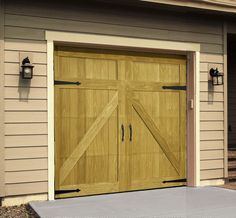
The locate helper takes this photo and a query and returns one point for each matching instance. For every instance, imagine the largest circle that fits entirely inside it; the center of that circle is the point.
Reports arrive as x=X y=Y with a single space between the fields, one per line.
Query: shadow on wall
x=210 y=92
x=24 y=89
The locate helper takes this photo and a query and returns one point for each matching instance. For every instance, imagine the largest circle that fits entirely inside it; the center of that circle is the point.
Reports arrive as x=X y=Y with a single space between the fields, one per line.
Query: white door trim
x=53 y=37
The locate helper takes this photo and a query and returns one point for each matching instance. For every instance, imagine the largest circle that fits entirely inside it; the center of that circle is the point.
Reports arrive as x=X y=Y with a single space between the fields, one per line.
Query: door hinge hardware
x=175 y=87
x=175 y=181
x=61 y=82
x=58 y=192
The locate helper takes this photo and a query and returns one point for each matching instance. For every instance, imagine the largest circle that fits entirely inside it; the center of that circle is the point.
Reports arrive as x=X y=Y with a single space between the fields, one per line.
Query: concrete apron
x=172 y=202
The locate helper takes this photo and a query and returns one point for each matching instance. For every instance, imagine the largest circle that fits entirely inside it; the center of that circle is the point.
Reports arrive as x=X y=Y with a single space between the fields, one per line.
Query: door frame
x=192 y=52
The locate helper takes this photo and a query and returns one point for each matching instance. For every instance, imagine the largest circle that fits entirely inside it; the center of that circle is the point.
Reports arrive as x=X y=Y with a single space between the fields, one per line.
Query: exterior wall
x=2 y=176
x=232 y=95
x=26 y=117
x=25 y=120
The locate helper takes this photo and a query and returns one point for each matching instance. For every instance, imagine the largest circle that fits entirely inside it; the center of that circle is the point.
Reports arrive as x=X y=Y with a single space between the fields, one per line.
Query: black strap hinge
x=60 y=82
x=175 y=87
x=58 y=192
x=175 y=181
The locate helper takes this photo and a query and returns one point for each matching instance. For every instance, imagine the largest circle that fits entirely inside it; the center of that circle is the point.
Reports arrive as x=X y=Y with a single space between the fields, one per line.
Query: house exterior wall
x=232 y=95
x=2 y=176
x=26 y=109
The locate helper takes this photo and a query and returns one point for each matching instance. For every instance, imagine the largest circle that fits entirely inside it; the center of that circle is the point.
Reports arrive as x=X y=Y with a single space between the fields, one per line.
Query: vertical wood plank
x=2 y=176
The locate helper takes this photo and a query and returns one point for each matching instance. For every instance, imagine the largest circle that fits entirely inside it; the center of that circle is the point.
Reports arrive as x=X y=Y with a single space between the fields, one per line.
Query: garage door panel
x=84 y=136
x=71 y=67
x=119 y=130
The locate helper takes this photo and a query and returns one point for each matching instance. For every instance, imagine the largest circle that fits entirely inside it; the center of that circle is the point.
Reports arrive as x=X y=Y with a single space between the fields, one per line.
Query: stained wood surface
x=118 y=89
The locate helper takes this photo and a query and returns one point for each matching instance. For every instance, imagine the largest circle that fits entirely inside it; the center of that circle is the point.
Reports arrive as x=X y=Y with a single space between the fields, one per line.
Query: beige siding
x=25 y=121
x=26 y=164
x=26 y=110
x=26 y=176
x=232 y=98
x=26 y=188
x=25 y=140
x=2 y=175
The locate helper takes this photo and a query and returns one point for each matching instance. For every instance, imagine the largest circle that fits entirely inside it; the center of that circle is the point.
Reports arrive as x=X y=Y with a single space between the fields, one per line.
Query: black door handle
x=130 y=133
x=122 y=133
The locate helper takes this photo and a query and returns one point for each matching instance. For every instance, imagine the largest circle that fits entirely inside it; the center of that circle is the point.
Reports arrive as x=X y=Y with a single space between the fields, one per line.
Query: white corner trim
x=50 y=76
x=116 y=41
x=120 y=41
x=197 y=118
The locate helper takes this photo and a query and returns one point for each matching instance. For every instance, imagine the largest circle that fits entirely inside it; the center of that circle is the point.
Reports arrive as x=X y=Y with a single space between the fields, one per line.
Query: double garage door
x=120 y=121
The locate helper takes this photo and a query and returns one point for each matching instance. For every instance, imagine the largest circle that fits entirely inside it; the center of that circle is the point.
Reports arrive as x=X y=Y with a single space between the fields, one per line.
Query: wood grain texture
x=156 y=133
x=141 y=165
x=88 y=138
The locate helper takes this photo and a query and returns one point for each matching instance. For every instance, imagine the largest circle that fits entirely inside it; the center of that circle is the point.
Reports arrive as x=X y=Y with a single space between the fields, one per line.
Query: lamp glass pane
x=220 y=80
x=215 y=80
x=27 y=72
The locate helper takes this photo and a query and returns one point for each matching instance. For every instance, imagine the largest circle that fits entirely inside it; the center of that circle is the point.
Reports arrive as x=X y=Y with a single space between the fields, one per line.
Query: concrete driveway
x=206 y=202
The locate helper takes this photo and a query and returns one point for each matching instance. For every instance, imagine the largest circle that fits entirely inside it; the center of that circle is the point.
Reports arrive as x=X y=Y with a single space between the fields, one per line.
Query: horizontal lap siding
x=231 y=98
x=212 y=120
x=26 y=120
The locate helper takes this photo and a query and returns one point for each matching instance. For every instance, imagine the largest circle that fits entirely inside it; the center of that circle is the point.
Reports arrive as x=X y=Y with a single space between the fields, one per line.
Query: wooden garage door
x=122 y=126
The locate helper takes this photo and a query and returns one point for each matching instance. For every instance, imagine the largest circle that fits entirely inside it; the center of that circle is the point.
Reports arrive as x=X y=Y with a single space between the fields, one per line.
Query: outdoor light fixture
x=217 y=77
x=27 y=69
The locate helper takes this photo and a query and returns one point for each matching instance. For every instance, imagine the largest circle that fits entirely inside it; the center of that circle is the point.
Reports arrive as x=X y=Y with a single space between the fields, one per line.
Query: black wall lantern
x=217 y=77
x=27 y=69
